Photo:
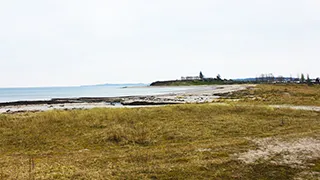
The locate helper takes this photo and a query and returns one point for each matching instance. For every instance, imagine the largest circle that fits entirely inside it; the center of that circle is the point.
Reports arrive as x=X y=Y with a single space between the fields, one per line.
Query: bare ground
x=281 y=152
x=298 y=153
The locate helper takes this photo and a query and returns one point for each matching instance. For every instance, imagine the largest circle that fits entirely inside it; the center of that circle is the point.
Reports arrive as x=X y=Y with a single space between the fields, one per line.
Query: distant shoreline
x=53 y=94
x=195 y=94
x=171 y=83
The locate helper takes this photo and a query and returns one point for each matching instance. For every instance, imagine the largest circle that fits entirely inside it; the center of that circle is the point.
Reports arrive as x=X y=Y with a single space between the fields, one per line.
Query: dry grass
x=172 y=142
x=293 y=94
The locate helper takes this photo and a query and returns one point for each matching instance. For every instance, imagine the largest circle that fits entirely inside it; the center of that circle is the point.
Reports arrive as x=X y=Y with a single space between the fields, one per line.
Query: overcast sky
x=77 y=42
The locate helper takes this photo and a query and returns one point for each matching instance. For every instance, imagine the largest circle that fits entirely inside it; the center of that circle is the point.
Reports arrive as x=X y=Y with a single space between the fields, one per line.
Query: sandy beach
x=193 y=94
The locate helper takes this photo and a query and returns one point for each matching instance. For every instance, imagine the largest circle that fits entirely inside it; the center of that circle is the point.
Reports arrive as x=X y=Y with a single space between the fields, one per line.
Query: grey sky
x=75 y=42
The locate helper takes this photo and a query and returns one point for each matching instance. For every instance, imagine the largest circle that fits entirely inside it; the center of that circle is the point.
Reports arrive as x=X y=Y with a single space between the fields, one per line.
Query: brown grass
x=172 y=142
x=292 y=94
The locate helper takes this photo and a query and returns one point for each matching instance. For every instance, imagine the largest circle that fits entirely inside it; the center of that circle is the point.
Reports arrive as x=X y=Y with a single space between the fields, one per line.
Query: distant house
x=190 y=78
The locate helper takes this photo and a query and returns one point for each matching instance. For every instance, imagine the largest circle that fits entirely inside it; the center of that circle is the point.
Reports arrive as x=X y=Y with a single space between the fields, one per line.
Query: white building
x=191 y=78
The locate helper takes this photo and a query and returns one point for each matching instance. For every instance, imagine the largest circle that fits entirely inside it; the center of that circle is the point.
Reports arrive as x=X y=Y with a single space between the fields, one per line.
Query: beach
x=189 y=94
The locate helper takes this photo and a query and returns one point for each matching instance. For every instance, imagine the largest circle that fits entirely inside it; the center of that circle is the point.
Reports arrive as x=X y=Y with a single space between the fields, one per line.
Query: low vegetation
x=194 y=82
x=291 y=94
x=172 y=142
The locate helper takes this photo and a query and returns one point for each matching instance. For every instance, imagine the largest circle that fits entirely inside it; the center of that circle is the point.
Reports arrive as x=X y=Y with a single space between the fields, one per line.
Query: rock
x=147 y=103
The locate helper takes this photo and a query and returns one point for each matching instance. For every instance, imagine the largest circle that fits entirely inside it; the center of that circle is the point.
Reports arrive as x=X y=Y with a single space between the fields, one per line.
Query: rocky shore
x=194 y=94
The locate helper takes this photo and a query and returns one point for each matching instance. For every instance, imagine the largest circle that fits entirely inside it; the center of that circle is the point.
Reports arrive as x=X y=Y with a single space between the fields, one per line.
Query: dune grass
x=292 y=94
x=171 y=142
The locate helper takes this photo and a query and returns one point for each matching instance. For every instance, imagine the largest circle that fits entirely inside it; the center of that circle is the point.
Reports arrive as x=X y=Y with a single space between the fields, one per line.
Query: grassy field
x=173 y=142
x=292 y=94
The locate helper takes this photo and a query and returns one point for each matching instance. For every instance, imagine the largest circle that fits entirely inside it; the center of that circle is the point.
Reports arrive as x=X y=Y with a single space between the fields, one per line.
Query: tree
x=302 y=78
x=318 y=80
x=280 y=79
x=219 y=77
x=201 y=75
x=269 y=77
x=262 y=78
x=308 y=80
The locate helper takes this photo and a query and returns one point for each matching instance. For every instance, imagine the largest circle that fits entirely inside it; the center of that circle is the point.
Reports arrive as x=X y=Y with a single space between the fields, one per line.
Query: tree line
x=301 y=78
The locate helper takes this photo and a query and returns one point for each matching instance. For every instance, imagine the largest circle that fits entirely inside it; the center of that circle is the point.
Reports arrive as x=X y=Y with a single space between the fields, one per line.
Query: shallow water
x=47 y=93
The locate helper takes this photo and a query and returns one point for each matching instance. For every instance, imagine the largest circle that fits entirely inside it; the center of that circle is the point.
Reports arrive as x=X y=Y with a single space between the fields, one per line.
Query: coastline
x=192 y=94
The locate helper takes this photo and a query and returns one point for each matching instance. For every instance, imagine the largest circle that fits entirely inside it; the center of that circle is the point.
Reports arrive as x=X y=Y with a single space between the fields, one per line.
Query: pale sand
x=192 y=94
x=294 y=153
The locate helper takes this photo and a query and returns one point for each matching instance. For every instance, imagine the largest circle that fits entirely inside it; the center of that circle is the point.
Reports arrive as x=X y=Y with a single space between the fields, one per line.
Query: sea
x=47 y=93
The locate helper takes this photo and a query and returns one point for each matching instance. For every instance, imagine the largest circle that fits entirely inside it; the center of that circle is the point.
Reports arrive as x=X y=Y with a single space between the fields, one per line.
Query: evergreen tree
x=219 y=77
x=302 y=78
x=308 y=80
x=201 y=75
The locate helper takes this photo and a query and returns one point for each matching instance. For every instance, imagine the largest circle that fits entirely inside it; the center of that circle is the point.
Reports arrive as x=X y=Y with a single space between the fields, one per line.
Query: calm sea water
x=46 y=93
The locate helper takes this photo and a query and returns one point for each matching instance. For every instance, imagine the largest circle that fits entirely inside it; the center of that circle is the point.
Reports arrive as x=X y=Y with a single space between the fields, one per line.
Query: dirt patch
x=307 y=108
x=295 y=153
